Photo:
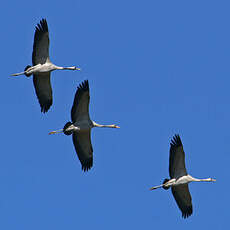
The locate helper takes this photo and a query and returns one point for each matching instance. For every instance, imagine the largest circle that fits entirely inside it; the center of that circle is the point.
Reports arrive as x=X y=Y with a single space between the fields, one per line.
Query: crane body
x=81 y=125
x=179 y=178
x=42 y=67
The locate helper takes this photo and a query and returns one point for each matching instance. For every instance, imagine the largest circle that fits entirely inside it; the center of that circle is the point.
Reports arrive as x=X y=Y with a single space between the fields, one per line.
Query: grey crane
x=42 y=66
x=81 y=126
x=179 y=178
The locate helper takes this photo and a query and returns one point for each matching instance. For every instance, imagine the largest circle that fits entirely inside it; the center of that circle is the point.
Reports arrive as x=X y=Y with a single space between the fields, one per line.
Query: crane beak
x=116 y=126
x=55 y=132
x=213 y=179
x=73 y=68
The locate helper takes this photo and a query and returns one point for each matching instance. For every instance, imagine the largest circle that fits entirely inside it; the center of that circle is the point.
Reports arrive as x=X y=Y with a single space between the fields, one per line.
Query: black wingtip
x=84 y=86
x=42 y=26
x=176 y=141
x=187 y=213
x=45 y=107
x=43 y=20
x=87 y=165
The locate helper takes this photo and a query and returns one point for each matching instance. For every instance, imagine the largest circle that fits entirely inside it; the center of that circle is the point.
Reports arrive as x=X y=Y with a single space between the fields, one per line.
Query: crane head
x=75 y=68
x=115 y=126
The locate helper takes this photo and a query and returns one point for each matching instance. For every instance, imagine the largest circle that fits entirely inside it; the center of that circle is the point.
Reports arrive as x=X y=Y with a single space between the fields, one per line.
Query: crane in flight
x=81 y=126
x=179 y=178
x=42 y=66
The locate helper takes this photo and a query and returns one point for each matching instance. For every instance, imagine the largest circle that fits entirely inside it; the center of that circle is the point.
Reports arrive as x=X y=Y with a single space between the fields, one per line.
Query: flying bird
x=42 y=66
x=179 y=178
x=81 y=126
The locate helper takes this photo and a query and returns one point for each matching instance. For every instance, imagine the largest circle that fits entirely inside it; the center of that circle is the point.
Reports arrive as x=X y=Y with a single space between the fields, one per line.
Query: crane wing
x=41 y=43
x=183 y=199
x=83 y=147
x=80 y=108
x=176 y=158
x=43 y=90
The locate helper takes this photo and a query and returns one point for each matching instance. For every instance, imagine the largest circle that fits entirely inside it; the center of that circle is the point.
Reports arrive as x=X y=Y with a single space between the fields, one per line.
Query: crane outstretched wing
x=177 y=158
x=183 y=199
x=80 y=108
x=41 y=43
x=84 y=149
x=43 y=90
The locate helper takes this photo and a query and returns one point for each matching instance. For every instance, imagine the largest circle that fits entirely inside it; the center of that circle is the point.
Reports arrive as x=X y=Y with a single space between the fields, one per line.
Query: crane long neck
x=203 y=179
x=103 y=126
x=67 y=68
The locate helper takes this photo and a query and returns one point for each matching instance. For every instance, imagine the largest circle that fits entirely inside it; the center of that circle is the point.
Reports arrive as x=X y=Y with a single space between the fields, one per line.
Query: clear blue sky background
x=155 y=68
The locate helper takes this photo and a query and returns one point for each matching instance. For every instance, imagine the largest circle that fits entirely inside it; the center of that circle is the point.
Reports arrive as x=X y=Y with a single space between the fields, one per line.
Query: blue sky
x=155 y=68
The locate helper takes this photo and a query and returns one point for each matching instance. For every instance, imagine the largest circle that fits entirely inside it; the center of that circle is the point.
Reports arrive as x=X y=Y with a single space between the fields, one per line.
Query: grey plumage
x=40 y=55
x=176 y=158
x=82 y=140
x=183 y=199
x=41 y=43
x=177 y=169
